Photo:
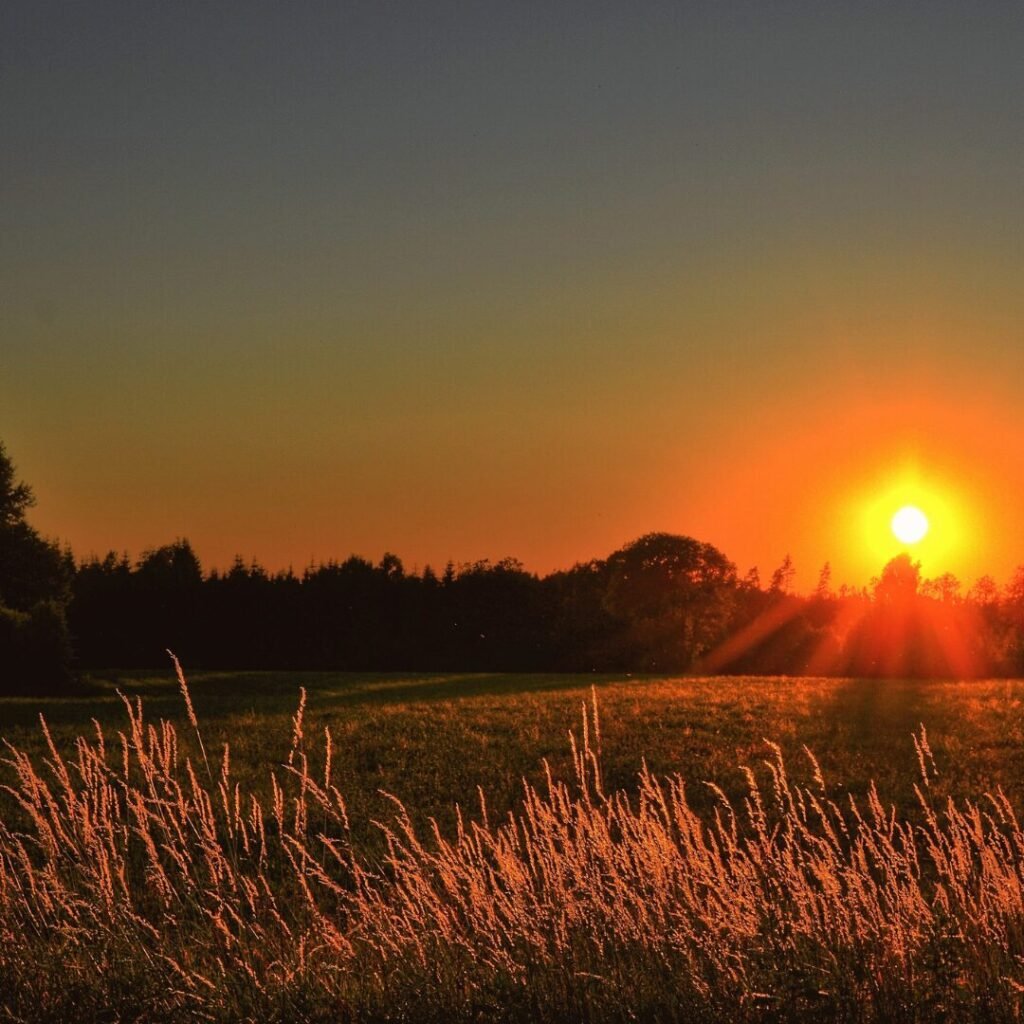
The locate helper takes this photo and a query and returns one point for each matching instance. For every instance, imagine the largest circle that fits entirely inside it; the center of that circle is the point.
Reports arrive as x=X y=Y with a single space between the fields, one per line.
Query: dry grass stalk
x=133 y=890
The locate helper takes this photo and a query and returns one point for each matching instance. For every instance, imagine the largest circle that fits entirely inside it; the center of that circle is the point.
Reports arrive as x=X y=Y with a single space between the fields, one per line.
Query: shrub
x=35 y=649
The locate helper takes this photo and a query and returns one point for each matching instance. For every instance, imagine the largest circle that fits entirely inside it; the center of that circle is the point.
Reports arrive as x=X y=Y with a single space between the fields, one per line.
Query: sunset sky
x=466 y=280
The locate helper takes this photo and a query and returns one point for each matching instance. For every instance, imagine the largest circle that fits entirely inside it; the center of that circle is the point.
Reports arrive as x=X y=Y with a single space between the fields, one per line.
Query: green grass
x=431 y=740
x=131 y=889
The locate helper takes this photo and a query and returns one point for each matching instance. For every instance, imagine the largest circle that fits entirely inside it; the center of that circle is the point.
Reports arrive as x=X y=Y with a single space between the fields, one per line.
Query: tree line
x=663 y=603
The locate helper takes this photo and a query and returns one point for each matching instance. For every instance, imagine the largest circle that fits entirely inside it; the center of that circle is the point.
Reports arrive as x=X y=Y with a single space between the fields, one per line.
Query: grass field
x=411 y=938
x=432 y=740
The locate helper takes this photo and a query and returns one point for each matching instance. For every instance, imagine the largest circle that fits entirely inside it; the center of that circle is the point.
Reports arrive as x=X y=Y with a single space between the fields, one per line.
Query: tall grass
x=139 y=881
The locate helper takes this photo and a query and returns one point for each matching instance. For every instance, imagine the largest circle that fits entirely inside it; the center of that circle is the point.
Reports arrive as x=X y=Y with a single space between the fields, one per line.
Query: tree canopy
x=35 y=581
x=664 y=603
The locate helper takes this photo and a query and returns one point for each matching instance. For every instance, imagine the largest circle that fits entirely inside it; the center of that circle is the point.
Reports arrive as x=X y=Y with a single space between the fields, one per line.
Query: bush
x=35 y=649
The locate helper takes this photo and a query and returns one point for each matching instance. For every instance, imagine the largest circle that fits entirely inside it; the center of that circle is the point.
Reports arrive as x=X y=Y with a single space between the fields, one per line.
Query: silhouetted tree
x=907 y=631
x=782 y=578
x=752 y=581
x=823 y=590
x=662 y=603
x=35 y=647
x=675 y=596
x=945 y=588
x=899 y=582
x=391 y=566
x=103 y=614
x=584 y=636
x=249 y=619
x=496 y=618
x=984 y=592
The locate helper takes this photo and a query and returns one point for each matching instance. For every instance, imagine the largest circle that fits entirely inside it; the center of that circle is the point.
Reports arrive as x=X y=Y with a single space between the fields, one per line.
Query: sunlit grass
x=140 y=879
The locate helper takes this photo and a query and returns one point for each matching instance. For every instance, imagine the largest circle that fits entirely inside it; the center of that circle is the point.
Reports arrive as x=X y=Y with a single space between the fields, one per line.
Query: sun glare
x=906 y=508
x=909 y=525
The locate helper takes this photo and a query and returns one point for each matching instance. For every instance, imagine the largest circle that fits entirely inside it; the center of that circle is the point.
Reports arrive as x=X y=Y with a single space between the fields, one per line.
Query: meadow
x=513 y=847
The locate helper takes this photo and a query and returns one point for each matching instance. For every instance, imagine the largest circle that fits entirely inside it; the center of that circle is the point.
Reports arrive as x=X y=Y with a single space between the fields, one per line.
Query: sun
x=909 y=525
x=906 y=509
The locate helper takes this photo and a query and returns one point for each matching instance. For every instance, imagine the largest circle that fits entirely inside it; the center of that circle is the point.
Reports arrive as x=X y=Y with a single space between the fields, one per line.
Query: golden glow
x=910 y=525
x=831 y=472
x=937 y=538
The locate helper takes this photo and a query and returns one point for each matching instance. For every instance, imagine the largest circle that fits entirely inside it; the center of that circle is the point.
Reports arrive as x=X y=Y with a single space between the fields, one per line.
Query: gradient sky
x=469 y=280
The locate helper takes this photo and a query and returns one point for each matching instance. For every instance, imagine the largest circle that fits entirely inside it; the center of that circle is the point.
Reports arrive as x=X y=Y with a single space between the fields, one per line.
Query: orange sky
x=495 y=281
x=814 y=468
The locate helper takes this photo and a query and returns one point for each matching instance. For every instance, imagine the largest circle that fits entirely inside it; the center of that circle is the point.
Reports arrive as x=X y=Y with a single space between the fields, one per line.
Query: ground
x=431 y=740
